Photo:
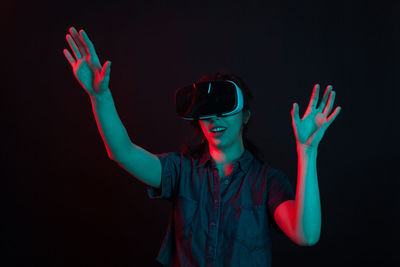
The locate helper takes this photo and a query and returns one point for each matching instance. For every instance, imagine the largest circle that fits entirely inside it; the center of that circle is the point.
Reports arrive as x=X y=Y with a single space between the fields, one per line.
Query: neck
x=226 y=155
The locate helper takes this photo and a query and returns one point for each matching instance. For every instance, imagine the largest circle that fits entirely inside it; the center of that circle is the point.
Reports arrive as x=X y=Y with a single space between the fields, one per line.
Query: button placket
x=213 y=223
x=211 y=250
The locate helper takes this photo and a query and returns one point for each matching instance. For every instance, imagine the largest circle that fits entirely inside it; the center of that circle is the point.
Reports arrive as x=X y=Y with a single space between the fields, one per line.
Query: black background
x=67 y=204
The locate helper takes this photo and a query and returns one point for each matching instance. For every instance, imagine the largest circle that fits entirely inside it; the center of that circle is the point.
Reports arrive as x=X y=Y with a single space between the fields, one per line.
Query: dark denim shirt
x=219 y=222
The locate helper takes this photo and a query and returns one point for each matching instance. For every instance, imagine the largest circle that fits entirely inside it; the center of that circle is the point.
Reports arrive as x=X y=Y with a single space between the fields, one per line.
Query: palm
x=88 y=74
x=86 y=65
x=310 y=129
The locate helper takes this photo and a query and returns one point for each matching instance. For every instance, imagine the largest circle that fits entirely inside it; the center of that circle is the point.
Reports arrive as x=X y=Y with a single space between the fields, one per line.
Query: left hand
x=310 y=129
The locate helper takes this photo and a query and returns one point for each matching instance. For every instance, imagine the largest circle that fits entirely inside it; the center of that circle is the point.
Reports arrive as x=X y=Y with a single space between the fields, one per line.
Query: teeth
x=218 y=129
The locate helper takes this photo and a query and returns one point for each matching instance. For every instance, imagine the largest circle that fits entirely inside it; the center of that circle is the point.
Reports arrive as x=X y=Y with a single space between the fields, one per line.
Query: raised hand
x=310 y=129
x=86 y=66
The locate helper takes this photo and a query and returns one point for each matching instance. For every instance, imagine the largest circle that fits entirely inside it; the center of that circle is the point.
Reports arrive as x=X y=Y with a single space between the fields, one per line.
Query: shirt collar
x=244 y=160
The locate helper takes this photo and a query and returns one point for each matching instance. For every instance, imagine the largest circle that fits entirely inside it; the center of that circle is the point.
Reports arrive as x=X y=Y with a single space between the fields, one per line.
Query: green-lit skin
x=86 y=66
x=301 y=219
x=228 y=147
x=95 y=80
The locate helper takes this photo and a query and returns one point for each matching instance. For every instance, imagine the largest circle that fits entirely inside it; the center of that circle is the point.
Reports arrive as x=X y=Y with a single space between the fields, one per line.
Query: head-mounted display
x=208 y=99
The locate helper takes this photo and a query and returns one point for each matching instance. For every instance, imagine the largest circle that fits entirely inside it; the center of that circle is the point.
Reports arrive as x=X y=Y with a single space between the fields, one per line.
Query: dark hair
x=198 y=143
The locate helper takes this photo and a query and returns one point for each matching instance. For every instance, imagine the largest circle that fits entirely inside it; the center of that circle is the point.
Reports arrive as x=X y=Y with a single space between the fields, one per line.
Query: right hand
x=86 y=65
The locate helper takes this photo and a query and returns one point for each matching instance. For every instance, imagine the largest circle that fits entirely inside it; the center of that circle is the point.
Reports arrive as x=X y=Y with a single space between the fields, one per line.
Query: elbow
x=309 y=241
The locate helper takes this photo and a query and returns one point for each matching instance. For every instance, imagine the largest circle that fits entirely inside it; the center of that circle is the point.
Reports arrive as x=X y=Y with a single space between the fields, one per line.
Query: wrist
x=307 y=150
x=101 y=97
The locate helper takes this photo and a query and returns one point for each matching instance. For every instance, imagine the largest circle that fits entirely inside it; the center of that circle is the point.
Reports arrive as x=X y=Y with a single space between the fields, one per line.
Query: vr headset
x=208 y=99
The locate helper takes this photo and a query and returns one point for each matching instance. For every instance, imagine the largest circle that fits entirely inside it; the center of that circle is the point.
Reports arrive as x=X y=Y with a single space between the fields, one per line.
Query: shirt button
x=226 y=182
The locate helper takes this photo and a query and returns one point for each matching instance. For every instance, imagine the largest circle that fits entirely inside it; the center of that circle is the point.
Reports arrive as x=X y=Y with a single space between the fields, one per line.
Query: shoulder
x=173 y=155
x=174 y=158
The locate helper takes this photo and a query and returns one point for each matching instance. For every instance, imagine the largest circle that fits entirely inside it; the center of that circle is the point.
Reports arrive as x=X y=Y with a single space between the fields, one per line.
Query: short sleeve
x=279 y=191
x=170 y=173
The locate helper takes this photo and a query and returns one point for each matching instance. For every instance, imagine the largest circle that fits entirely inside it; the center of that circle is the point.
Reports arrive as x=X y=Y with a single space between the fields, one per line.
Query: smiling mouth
x=218 y=133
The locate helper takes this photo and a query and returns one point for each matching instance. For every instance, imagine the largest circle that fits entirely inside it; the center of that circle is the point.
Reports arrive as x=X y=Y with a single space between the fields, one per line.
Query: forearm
x=307 y=203
x=112 y=131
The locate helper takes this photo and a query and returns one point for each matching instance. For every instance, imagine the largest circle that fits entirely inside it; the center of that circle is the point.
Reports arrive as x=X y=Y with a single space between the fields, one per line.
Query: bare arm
x=301 y=219
x=140 y=163
x=94 y=78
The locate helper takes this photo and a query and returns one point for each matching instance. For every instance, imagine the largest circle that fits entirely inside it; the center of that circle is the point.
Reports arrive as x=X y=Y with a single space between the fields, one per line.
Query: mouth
x=218 y=134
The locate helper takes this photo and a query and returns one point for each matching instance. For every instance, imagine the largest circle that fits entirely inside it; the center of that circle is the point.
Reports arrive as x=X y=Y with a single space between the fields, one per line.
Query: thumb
x=106 y=69
x=105 y=74
x=295 y=113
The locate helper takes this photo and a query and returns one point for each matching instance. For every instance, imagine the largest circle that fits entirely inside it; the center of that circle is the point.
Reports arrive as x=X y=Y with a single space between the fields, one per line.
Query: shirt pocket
x=251 y=228
x=185 y=210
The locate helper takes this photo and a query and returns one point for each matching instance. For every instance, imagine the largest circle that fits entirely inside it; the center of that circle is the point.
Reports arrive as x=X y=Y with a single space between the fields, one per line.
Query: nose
x=216 y=118
x=219 y=115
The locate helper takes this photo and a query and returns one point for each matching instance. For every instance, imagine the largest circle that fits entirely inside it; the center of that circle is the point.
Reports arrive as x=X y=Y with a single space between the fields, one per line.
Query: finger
x=105 y=72
x=329 y=106
x=314 y=98
x=325 y=97
x=70 y=58
x=73 y=46
x=295 y=118
x=317 y=136
x=78 y=41
x=295 y=113
x=106 y=68
x=333 y=116
x=88 y=44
